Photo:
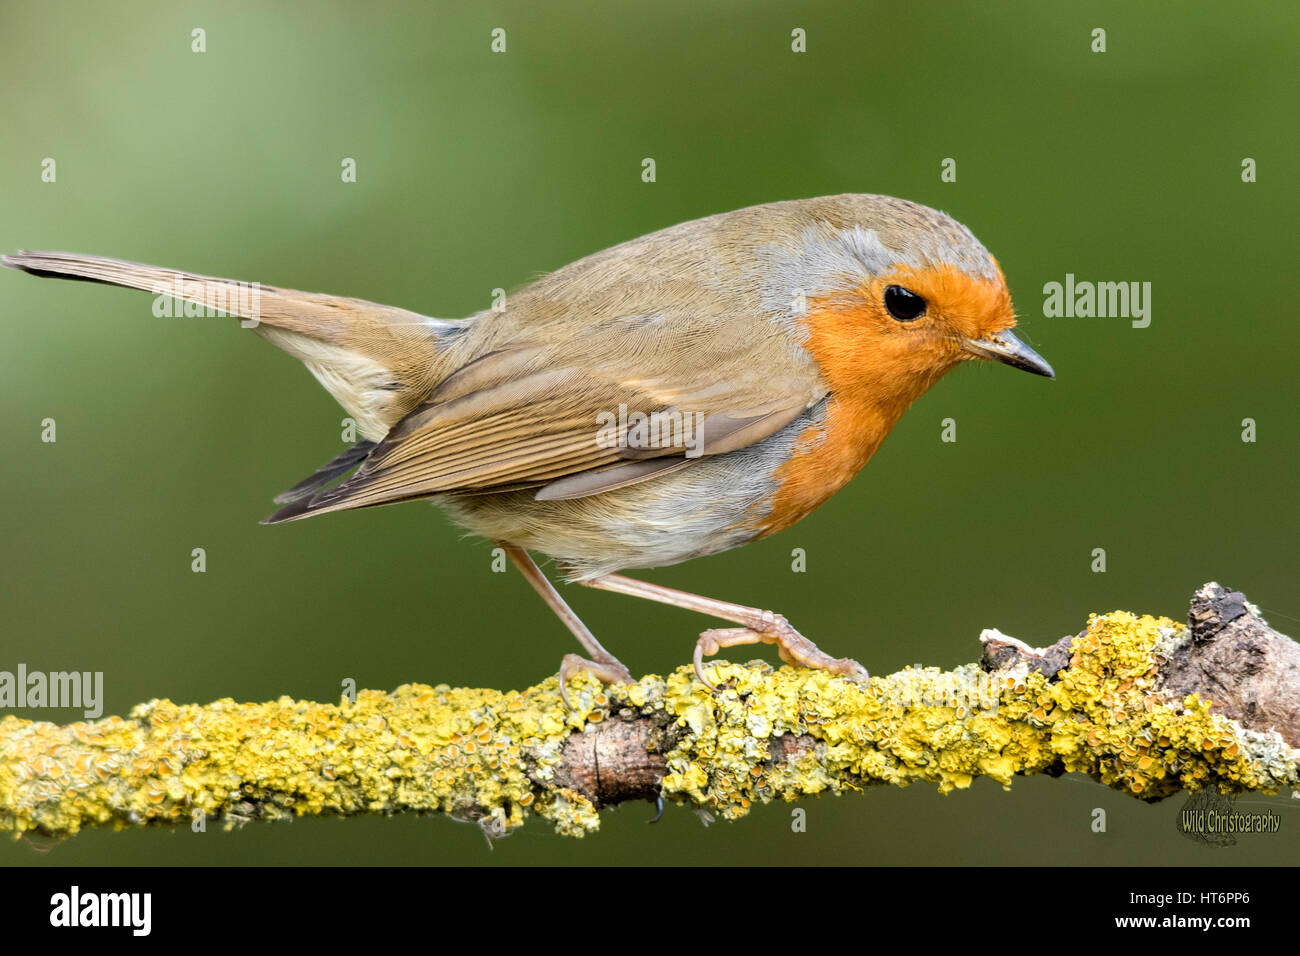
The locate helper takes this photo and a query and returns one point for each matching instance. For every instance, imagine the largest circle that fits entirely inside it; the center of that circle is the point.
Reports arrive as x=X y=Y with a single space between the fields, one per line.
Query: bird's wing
x=562 y=418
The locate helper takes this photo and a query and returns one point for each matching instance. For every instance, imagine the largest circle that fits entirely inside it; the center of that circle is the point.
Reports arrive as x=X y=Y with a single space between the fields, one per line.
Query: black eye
x=903 y=304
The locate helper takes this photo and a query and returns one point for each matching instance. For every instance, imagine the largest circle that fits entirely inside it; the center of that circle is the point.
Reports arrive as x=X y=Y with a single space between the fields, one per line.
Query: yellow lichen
x=492 y=757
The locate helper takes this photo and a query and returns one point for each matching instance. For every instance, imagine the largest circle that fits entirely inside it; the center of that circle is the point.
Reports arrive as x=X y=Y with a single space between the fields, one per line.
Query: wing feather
x=528 y=414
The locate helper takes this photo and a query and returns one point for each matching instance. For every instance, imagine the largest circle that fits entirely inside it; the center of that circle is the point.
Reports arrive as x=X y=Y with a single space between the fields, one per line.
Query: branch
x=1142 y=704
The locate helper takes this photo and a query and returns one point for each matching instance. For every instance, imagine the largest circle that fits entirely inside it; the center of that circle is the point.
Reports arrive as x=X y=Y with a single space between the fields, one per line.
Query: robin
x=675 y=396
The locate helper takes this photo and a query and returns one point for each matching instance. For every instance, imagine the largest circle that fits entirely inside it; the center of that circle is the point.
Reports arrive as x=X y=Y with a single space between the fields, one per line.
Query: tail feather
x=378 y=361
x=321 y=477
x=329 y=318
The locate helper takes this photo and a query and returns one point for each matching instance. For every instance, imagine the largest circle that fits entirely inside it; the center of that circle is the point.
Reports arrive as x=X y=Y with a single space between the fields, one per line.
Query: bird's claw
x=793 y=647
x=608 y=671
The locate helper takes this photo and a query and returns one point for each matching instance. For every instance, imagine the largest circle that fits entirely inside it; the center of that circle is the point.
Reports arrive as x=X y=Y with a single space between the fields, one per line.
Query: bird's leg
x=756 y=627
x=601 y=664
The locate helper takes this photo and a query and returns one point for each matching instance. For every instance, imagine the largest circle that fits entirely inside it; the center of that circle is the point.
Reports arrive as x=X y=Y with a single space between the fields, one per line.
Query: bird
x=675 y=396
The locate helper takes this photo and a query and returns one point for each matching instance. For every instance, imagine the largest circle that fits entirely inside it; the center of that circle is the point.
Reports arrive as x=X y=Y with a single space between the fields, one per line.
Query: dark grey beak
x=1006 y=348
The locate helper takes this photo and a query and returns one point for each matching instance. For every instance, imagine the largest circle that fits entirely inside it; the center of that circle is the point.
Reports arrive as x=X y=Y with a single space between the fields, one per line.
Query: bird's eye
x=903 y=304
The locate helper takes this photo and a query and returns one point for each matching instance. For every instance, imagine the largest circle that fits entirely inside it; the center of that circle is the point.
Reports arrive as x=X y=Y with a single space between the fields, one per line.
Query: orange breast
x=866 y=401
x=825 y=459
x=874 y=375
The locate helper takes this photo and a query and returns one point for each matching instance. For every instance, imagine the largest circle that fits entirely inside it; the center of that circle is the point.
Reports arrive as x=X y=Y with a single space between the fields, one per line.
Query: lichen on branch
x=1100 y=709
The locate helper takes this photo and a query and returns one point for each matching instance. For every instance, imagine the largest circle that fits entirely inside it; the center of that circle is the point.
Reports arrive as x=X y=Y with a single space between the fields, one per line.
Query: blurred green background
x=478 y=170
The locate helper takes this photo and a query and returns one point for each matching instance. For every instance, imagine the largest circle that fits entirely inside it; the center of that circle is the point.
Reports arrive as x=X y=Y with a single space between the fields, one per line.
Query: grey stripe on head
x=826 y=258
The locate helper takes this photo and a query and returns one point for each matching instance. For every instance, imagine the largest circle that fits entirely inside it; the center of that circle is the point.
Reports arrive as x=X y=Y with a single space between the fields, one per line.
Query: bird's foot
x=769 y=628
x=607 y=670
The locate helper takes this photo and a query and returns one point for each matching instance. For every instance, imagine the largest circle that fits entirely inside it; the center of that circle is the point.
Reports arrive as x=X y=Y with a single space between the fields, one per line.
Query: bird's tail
x=376 y=360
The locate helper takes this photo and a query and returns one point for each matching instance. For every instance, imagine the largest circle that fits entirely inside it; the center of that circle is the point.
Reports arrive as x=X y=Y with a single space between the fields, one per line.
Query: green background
x=478 y=170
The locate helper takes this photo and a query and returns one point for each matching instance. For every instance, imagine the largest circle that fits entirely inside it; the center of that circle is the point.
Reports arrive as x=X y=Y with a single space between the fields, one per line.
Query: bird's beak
x=1006 y=348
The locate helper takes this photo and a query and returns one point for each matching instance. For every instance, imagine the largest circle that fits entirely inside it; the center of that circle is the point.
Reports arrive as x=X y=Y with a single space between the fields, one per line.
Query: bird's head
x=897 y=294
